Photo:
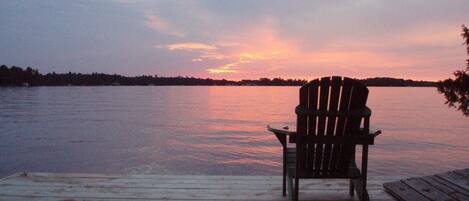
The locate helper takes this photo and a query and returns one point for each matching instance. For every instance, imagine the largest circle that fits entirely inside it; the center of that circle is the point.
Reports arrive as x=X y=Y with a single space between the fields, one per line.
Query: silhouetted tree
x=456 y=90
x=16 y=76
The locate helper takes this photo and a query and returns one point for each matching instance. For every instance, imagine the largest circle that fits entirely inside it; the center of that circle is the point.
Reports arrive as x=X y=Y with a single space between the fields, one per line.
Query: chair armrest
x=371 y=135
x=280 y=131
x=375 y=133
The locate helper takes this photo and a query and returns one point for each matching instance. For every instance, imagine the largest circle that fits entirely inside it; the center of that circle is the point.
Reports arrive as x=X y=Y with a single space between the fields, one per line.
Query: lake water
x=207 y=130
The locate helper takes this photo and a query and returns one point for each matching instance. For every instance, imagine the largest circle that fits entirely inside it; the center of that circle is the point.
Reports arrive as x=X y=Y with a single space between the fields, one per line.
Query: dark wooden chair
x=332 y=119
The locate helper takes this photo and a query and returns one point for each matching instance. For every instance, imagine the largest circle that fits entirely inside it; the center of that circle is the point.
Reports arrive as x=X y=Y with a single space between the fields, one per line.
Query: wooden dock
x=452 y=185
x=92 y=187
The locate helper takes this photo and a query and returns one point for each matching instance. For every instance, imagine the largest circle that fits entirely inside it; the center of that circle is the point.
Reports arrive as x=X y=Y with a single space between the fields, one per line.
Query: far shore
x=17 y=76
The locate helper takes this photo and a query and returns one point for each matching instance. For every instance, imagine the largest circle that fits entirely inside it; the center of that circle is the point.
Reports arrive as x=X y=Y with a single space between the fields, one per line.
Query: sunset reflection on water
x=208 y=130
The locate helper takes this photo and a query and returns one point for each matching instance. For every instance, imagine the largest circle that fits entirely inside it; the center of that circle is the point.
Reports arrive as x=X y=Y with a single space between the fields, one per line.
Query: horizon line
x=237 y=80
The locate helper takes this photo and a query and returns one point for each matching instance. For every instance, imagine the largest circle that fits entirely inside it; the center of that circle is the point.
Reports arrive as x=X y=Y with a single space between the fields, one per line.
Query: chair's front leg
x=364 y=167
x=364 y=164
x=297 y=188
x=284 y=170
x=283 y=140
x=290 y=188
x=360 y=183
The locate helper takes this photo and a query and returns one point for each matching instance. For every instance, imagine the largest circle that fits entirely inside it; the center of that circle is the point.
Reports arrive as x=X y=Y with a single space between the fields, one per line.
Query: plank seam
x=405 y=183
x=458 y=188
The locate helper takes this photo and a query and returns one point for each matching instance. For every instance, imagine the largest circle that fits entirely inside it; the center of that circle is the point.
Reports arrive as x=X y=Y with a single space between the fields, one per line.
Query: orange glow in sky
x=260 y=51
x=238 y=39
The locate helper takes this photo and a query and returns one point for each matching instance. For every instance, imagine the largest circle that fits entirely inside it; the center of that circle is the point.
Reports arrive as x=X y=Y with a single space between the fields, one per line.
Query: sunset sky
x=417 y=39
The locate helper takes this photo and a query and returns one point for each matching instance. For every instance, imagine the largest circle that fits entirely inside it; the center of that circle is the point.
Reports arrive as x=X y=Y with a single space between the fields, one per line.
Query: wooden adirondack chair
x=329 y=119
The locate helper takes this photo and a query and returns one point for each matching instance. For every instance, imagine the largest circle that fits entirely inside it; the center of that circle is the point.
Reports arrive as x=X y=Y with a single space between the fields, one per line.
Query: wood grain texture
x=50 y=186
x=448 y=186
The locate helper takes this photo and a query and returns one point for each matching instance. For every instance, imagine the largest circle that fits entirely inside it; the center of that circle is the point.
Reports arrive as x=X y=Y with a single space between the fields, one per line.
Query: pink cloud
x=161 y=26
x=191 y=46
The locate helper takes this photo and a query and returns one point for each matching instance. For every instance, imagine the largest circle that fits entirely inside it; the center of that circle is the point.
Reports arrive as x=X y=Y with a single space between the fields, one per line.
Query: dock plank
x=464 y=172
x=447 y=186
x=32 y=180
x=429 y=191
x=403 y=192
x=461 y=181
x=90 y=187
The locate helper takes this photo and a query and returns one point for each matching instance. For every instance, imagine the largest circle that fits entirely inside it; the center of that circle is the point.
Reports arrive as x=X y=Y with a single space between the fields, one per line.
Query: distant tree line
x=16 y=76
x=395 y=82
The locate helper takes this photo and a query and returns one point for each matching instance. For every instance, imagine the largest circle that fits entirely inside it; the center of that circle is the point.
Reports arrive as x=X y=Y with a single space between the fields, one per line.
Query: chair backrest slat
x=341 y=121
x=323 y=98
x=321 y=126
x=357 y=101
x=331 y=121
x=302 y=127
x=312 y=120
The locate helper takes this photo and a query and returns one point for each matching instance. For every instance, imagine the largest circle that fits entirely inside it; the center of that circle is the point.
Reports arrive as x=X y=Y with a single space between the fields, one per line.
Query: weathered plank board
x=49 y=186
x=463 y=172
x=403 y=192
x=445 y=187
x=448 y=186
x=428 y=190
x=461 y=181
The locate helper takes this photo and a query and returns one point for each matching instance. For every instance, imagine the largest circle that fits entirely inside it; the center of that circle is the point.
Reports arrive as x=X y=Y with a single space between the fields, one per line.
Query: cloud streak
x=191 y=47
x=161 y=26
x=223 y=69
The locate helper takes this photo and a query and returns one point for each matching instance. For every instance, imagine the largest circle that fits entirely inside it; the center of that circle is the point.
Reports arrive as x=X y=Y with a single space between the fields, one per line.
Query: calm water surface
x=207 y=130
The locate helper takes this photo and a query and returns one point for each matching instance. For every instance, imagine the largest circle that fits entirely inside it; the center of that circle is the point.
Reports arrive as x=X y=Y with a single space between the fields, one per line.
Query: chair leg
x=351 y=188
x=284 y=176
x=297 y=189
x=360 y=186
x=284 y=190
x=290 y=188
x=365 y=196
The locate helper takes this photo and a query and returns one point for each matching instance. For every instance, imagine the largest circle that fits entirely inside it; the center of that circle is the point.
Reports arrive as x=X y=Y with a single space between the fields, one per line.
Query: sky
x=418 y=39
